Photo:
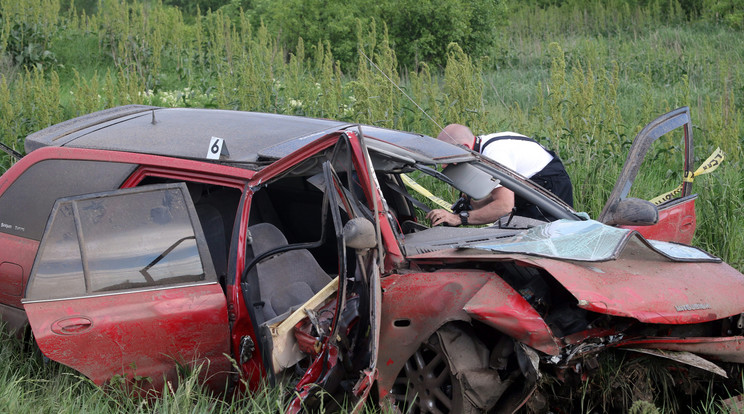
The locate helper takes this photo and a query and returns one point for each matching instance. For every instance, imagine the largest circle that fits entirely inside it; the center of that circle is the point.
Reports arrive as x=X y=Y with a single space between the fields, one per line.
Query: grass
x=31 y=384
x=582 y=80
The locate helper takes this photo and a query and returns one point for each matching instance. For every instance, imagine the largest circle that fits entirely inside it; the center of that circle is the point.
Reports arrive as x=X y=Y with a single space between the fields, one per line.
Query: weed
x=582 y=78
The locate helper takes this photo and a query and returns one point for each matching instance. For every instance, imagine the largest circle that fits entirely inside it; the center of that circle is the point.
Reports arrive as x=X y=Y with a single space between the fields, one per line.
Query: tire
x=451 y=372
x=426 y=383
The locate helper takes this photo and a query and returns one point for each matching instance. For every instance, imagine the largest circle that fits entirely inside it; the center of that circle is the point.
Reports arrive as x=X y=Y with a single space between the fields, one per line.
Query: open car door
x=349 y=352
x=123 y=287
x=312 y=282
x=676 y=220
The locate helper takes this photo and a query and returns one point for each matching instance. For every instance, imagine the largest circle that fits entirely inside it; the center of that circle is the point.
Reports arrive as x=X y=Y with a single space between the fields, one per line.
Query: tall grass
x=583 y=81
x=30 y=384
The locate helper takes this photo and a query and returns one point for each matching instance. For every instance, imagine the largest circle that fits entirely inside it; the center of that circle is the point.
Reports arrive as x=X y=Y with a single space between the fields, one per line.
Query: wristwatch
x=464 y=217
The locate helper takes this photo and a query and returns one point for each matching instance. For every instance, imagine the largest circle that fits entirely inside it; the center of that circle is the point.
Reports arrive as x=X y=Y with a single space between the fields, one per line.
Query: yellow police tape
x=710 y=165
x=424 y=192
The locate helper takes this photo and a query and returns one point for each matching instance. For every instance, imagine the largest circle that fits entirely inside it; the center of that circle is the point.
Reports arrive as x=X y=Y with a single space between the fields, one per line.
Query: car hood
x=608 y=270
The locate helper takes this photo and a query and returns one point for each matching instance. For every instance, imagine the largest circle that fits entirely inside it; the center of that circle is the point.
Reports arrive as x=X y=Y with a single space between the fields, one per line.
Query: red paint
x=139 y=333
x=428 y=300
x=501 y=307
x=315 y=374
x=145 y=333
x=651 y=290
x=677 y=223
x=17 y=255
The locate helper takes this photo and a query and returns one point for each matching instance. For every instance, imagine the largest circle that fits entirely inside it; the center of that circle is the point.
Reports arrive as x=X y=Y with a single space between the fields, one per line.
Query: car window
x=59 y=269
x=136 y=238
x=25 y=205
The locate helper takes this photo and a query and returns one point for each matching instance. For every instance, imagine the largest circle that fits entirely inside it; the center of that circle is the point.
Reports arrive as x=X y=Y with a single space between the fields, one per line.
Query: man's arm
x=486 y=210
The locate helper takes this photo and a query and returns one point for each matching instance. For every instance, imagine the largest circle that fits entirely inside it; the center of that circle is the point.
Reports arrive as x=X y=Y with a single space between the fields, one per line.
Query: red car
x=137 y=240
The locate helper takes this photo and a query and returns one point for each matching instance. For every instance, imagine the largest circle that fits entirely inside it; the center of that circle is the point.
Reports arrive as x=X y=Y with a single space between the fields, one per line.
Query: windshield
x=584 y=241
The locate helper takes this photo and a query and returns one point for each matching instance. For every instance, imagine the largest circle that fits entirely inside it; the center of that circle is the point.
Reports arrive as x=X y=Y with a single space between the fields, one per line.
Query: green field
x=583 y=77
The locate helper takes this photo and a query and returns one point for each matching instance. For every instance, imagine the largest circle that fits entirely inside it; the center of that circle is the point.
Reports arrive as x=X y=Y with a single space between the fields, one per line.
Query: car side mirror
x=359 y=234
x=633 y=212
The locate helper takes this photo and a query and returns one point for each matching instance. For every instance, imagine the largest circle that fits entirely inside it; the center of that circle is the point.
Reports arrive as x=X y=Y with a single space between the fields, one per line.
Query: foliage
x=330 y=22
x=26 y=32
x=419 y=31
x=630 y=382
x=729 y=12
x=193 y=7
x=374 y=90
x=585 y=95
x=27 y=46
x=87 y=7
x=582 y=76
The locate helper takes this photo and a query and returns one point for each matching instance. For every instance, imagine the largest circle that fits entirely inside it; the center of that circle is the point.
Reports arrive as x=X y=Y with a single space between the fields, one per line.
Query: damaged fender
x=409 y=319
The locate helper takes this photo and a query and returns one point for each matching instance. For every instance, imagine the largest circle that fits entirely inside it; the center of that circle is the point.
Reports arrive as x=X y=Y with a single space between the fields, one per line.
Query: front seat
x=287 y=279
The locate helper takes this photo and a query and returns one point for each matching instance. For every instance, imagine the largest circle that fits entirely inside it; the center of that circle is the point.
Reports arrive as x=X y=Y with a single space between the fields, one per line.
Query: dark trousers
x=553 y=178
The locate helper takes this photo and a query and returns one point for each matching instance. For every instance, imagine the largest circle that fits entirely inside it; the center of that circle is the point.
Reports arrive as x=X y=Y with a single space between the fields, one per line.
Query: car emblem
x=692 y=307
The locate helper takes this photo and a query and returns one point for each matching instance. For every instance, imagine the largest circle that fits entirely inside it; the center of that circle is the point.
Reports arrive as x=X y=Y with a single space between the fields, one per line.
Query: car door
x=338 y=201
x=123 y=288
x=343 y=343
x=676 y=212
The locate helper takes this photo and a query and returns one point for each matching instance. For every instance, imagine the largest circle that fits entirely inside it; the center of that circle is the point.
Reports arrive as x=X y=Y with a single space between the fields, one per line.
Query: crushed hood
x=618 y=272
x=652 y=291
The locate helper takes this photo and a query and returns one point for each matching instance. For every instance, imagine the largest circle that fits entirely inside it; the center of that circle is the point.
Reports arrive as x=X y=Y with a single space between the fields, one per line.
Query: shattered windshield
x=584 y=241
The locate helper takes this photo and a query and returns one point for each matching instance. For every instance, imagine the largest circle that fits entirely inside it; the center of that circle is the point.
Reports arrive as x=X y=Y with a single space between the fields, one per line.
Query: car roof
x=250 y=137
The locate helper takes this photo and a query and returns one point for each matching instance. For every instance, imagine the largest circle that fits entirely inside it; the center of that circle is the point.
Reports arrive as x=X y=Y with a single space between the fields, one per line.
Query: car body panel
x=18 y=259
x=142 y=323
x=677 y=222
x=650 y=291
x=137 y=334
x=498 y=305
x=641 y=284
x=186 y=133
x=729 y=349
x=414 y=305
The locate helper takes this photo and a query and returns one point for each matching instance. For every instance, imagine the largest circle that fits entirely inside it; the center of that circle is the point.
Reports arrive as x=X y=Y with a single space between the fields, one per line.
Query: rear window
x=25 y=205
x=129 y=239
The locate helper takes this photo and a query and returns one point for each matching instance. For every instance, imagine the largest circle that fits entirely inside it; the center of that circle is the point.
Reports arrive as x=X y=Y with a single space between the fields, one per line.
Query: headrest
x=266 y=237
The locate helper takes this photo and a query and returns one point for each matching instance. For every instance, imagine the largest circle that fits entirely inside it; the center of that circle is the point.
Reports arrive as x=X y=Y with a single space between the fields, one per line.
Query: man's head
x=458 y=135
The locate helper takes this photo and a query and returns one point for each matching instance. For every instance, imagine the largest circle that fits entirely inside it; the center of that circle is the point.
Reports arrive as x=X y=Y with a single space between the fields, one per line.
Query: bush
x=27 y=46
x=729 y=12
x=191 y=6
x=419 y=30
x=315 y=21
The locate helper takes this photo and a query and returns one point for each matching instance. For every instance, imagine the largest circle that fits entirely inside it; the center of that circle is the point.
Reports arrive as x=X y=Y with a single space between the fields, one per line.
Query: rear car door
x=677 y=221
x=123 y=287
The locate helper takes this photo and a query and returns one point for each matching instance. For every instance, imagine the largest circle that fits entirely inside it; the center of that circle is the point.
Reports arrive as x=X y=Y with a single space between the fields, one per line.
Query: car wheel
x=426 y=383
x=455 y=371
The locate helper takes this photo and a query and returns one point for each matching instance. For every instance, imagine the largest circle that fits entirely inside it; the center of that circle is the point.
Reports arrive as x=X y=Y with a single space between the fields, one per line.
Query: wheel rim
x=426 y=383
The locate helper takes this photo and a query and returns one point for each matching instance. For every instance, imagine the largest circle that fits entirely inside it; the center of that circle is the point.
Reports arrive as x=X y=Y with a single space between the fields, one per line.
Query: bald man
x=519 y=153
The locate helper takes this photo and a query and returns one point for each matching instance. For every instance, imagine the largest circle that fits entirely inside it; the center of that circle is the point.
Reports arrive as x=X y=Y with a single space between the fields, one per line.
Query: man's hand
x=440 y=216
x=485 y=211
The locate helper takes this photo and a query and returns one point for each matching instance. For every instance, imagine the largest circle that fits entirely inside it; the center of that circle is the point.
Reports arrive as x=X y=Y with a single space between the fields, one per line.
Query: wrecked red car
x=137 y=240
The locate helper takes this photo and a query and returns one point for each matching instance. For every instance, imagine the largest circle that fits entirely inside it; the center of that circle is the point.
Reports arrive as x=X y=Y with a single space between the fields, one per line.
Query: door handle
x=72 y=326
